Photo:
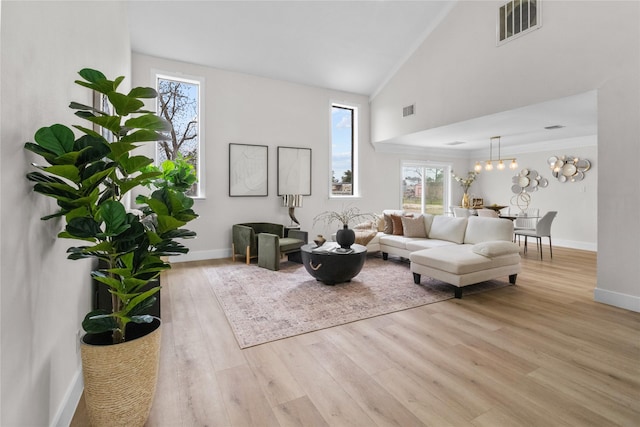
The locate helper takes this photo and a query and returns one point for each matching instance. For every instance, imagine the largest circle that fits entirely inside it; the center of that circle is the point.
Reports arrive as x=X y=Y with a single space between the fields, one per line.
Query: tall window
x=425 y=187
x=343 y=150
x=179 y=102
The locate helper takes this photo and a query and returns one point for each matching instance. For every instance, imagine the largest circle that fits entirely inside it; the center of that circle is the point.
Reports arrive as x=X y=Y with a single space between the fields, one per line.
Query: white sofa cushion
x=486 y=229
x=448 y=228
x=417 y=245
x=394 y=241
x=460 y=259
x=495 y=248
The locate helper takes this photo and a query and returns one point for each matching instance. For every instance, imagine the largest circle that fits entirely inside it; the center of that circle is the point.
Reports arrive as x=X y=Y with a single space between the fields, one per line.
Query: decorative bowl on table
x=319 y=240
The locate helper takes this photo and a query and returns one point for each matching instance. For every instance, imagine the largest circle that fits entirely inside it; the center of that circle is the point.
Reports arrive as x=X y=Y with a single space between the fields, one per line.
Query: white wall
x=459 y=73
x=246 y=109
x=44 y=295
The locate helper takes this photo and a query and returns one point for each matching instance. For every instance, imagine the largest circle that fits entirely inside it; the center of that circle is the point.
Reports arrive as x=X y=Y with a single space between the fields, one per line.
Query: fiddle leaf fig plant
x=89 y=177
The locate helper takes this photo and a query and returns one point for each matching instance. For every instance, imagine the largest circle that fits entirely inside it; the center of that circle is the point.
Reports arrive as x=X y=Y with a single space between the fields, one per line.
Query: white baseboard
x=70 y=402
x=617 y=299
x=585 y=246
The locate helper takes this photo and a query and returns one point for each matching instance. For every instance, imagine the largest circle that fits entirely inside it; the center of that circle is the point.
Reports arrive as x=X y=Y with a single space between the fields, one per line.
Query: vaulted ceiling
x=352 y=46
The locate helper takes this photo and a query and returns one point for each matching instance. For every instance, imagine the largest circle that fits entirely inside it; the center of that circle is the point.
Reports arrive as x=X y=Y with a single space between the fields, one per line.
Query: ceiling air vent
x=455 y=143
x=408 y=110
x=552 y=127
x=518 y=17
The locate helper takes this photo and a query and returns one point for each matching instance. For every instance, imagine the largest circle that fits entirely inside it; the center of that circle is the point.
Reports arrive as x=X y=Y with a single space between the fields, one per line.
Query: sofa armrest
x=269 y=251
x=243 y=236
x=301 y=235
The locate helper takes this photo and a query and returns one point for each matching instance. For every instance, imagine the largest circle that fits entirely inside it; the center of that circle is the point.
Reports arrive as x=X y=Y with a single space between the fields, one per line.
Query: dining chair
x=526 y=219
x=490 y=213
x=461 y=212
x=543 y=229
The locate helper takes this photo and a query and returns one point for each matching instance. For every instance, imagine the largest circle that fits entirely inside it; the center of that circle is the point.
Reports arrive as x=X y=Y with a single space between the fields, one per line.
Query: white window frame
x=355 y=143
x=200 y=81
x=446 y=191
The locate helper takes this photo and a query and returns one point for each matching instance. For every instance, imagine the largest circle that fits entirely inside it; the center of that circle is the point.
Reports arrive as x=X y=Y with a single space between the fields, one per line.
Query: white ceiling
x=352 y=46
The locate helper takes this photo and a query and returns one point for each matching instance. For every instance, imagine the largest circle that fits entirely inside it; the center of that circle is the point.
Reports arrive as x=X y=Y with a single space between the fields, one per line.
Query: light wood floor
x=540 y=353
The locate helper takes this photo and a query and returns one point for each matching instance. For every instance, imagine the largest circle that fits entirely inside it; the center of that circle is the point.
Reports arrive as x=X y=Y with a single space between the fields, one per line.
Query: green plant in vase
x=89 y=176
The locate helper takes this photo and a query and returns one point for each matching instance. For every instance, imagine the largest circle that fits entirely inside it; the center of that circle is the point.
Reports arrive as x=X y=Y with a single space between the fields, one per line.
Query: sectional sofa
x=459 y=251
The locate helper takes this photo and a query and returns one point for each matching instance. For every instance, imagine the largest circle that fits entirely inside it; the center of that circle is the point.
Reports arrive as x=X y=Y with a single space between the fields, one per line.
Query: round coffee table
x=328 y=264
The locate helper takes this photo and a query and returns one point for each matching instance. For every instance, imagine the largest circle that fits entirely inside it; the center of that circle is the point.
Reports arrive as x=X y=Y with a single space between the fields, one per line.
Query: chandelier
x=488 y=164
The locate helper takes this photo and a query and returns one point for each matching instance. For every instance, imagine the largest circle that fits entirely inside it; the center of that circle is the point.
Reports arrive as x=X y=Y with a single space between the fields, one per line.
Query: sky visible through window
x=341 y=141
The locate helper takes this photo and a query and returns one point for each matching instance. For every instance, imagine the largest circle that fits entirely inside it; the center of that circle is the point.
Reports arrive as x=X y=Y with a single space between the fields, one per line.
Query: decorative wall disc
x=568 y=168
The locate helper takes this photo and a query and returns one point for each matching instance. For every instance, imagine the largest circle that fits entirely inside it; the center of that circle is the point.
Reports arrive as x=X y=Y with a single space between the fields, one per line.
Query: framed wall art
x=248 y=170
x=294 y=171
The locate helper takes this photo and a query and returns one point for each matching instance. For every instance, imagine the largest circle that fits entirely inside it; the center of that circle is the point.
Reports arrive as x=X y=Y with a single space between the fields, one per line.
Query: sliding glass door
x=425 y=187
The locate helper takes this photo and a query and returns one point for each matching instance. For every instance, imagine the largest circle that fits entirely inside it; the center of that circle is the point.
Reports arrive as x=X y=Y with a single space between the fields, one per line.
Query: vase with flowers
x=465 y=183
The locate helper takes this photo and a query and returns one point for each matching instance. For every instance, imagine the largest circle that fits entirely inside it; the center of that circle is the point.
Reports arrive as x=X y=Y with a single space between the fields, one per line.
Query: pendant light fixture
x=488 y=164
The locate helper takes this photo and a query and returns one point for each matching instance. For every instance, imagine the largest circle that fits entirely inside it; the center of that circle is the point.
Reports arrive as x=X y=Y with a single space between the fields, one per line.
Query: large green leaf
x=179 y=234
x=120 y=148
x=91 y=75
x=124 y=104
x=143 y=92
x=135 y=163
x=144 y=135
x=114 y=216
x=150 y=122
x=41 y=177
x=111 y=123
x=48 y=155
x=69 y=172
x=140 y=298
x=56 y=138
x=56 y=190
x=99 y=321
x=167 y=223
x=83 y=227
x=128 y=184
x=93 y=147
x=112 y=282
x=77 y=106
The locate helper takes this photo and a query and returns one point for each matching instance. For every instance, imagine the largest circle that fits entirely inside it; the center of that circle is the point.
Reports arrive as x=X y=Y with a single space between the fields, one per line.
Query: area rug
x=263 y=305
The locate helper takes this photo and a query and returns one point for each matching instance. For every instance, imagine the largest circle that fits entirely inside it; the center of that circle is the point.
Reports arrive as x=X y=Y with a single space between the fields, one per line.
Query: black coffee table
x=329 y=265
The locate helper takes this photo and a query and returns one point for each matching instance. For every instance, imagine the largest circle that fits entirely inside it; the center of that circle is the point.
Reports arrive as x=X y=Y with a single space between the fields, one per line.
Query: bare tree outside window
x=179 y=104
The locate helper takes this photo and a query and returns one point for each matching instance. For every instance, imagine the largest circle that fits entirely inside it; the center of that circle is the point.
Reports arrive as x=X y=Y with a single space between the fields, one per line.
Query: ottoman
x=462 y=265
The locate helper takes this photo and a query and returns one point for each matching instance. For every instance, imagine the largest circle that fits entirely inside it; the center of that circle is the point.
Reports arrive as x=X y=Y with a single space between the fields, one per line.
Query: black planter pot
x=346 y=237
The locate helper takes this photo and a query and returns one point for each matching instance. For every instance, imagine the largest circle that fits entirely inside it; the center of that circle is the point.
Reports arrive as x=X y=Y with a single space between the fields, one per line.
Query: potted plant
x=345 y=236
x=90 y=177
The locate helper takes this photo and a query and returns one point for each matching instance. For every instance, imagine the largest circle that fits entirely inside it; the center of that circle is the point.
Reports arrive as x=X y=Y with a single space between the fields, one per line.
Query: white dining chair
x=461 y=212
x=489 y=213
x=526 y=219
x=542 y=229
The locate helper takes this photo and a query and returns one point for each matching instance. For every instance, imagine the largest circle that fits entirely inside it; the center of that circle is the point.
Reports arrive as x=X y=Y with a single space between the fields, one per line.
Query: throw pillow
x=367 y=225
x=388 y=224
x=414 y=227
x=495 y=248
x=380 y=222
x=396 y=221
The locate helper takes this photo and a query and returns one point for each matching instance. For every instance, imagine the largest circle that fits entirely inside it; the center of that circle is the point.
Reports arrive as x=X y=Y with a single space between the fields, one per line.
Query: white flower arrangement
x=465 y=183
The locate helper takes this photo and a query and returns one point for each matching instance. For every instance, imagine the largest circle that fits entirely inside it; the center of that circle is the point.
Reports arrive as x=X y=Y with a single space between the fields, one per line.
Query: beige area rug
x=263 y=305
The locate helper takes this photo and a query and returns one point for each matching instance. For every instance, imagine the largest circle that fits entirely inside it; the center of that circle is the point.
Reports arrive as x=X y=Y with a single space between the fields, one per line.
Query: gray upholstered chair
x=266 y=241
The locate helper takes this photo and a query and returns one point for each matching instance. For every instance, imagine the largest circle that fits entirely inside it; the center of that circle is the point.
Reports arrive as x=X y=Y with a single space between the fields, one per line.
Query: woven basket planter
x=120 y=380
